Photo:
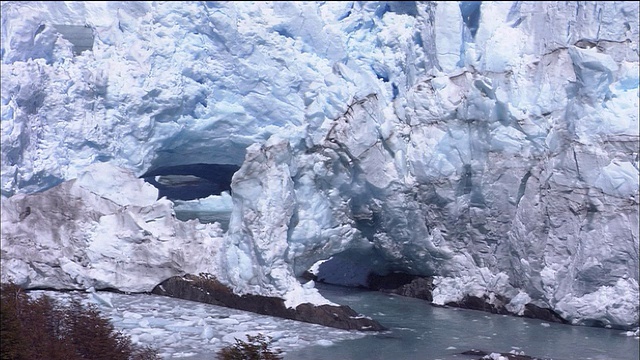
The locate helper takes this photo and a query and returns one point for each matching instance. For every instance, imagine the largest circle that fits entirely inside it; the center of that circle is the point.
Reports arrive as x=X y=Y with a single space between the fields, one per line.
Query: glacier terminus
x=490 y=146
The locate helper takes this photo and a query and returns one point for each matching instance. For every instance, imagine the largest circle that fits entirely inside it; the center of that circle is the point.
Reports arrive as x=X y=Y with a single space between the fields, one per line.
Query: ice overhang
x=191 y=181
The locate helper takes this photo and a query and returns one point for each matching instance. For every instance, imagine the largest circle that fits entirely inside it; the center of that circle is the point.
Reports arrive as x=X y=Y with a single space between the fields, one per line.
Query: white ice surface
x=186 y=329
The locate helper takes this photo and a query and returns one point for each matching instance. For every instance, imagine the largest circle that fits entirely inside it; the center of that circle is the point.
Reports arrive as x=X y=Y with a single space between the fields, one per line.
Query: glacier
x=491 y=145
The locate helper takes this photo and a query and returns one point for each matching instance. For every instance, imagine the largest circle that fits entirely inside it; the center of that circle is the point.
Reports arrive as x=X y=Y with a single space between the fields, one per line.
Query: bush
x=256 y=348
x=43 y=329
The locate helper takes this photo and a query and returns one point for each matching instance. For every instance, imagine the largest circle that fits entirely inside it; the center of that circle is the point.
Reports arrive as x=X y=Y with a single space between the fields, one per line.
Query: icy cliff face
x=492 y=145
x=105 y=229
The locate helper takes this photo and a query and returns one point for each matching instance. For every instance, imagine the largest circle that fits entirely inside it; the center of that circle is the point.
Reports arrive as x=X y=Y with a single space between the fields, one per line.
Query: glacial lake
x=418 y=330
x=181 y=329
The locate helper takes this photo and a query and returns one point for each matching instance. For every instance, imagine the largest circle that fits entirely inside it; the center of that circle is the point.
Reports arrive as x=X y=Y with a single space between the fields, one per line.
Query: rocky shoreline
x=498 y=307
x=207 y=289
x=421 y=287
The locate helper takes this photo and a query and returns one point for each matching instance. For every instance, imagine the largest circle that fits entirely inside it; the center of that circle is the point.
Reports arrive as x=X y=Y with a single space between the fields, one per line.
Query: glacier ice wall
x=493 y=145
x=105 y=229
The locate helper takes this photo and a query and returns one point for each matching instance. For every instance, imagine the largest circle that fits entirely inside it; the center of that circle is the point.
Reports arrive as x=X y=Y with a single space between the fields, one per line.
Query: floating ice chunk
x=102 y=298
x=146 y=338
x=241 y=317
x=632 y=333
x=324 y=342
x=276 y=335
x=227 y=321
x=495 y=356
x=129 y=314
x=207 y=332
x=183 y=354
x=174 y=338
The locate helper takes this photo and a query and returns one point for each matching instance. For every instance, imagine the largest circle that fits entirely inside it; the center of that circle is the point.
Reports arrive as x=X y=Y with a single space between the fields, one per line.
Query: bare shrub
x=42 y=329
x=255 y=348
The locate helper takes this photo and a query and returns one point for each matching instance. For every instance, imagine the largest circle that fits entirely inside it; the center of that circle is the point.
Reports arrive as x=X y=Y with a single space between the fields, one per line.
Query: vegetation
x=43 y=329
x=256 y=348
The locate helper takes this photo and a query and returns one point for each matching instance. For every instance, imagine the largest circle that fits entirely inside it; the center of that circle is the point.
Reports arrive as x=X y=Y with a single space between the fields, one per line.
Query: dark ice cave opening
x=192 y=181
x=367 y=268
x=351 y=268
x=183 y=183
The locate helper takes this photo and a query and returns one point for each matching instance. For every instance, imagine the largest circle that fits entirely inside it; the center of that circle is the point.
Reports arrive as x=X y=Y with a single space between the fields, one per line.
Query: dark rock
x=535 y=312
x=421 y=287
x=414 y=286
x=482 y=304
x=341 y=317
x=511 y=356
x=207 y=289
x=498 y=306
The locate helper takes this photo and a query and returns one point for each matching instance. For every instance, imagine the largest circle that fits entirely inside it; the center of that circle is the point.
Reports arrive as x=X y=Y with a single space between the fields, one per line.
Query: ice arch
x=199 y=191
x=191 y=181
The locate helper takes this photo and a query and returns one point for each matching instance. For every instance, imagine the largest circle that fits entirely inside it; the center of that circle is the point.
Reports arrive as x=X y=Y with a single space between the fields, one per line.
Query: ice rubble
x=184 y=329
x=497 y=151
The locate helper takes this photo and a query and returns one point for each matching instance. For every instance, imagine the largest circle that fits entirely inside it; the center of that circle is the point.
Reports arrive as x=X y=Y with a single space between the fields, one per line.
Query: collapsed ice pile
x=493 y=145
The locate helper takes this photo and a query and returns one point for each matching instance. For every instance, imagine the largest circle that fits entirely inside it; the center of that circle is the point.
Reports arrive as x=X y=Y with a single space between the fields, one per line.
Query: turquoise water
x=421 y=331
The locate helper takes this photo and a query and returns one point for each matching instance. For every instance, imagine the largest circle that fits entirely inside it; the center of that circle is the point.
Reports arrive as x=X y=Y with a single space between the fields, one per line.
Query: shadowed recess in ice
x=191 y=181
